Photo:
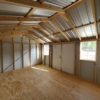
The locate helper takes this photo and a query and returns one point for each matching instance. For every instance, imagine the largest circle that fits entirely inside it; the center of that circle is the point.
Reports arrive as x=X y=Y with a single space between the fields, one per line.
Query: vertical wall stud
x=13 y=53
x=22 y=52
x=52 y=55
x=41 y=53
x=1 y=56
x=95 y=68
x=49 y=55
x=36 y=54
x=30 y=52
x=79 y=62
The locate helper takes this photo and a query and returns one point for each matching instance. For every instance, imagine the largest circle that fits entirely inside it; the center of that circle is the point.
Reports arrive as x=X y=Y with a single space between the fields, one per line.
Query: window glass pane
x=88 y=50
x=46 y=49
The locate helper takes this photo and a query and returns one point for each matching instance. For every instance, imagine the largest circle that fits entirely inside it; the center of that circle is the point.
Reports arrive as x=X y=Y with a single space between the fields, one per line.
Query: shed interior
x=49 y=49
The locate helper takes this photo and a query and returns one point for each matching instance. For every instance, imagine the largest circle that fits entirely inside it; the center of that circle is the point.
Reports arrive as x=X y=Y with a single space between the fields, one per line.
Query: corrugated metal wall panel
x=43 y=12
x=82 y=32
x=7 y=56
x=82 y=14
x=40 y=34
x=13 y=9
x=50 y=28
x=87 y=31
x=63 y=22
x=61 y=37
x=59 y=3
x=26 y=55
x=99 y=28
x=18 y=55
x=55 y=37
x=33 y=54
x=87 y=70
x=98 y=9
x=71 y=34
x=75 y=16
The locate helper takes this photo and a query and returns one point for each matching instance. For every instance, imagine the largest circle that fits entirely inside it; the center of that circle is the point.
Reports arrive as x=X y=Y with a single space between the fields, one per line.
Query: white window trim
x=88 y=59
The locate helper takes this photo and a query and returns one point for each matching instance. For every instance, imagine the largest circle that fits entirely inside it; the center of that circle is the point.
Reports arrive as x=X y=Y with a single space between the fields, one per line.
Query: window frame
x=46 y=49
x=95 y=52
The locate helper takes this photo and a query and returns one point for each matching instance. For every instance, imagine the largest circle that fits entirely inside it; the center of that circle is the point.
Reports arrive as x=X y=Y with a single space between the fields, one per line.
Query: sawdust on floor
x=43 y=83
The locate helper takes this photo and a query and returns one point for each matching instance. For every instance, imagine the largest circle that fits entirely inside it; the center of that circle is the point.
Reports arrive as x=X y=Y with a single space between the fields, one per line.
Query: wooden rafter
x=11 y=34
x=46 y=32
x=30 y=12
x=32 y=37
x=32 y=34
x=14 y=18
x=33 y=4
x=70 y=21
x=42 y=28
x=26 y=27
x=94 y=16
x=54 y=24
x=75 y=4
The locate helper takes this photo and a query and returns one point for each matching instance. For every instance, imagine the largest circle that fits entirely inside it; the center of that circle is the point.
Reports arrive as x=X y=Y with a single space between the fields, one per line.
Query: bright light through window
x=46 y=49
x=88 y=50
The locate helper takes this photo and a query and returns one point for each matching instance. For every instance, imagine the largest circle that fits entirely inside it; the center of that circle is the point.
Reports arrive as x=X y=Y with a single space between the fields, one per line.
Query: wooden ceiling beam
x=71 y=29
x=32 y=38
x=74 y=5
x=36 y=39
x=12 y=18
x=27 y=27
x=33 y=4
x=94 y=16
x=30 y=12
x=54 y=24
x=10 y=34
x=71 y=23
x=32 y=33
x=46 y=34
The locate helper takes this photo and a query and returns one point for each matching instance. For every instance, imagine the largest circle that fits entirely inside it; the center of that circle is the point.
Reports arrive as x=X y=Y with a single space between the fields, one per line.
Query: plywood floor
x=42 y=83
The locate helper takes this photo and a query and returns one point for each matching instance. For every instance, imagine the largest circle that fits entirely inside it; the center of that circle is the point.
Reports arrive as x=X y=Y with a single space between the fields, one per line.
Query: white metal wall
x=87 y=69
x=26 y=55
x=46 y=60
x=18 y=54
x=7 y=56
x=33 y=54
x=57 y=56
x=38 y=53
x=42 y=54
x=64 y=57
x=0 y=58
x=68 y=58
x=26 y=52
x=98 y=64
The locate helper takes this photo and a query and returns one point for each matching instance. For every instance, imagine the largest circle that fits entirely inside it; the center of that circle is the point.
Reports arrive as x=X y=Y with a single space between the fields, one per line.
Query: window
x=46 y=49
x=88 y=51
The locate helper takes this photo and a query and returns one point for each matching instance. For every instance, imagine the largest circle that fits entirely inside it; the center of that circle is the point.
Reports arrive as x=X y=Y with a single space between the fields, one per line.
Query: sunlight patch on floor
x=40 y=69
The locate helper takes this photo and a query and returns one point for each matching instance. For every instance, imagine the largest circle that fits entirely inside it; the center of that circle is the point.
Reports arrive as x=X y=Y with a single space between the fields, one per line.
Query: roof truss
x=34 y=5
